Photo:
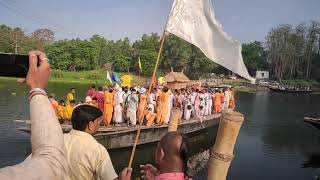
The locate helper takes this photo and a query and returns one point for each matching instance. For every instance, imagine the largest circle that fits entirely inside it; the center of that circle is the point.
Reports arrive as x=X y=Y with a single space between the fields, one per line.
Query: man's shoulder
x=82 y=138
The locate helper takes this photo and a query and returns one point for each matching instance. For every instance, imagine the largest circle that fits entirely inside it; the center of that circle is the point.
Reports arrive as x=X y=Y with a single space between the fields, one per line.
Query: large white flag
x=194 y=21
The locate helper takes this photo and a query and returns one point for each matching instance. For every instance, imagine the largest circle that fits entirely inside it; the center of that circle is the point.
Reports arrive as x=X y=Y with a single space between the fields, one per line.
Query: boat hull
x=120 y=137
x=290 y=91
x=313 y=121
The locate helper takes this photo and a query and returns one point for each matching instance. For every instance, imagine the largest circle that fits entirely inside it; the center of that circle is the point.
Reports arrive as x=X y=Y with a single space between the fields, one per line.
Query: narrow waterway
x=274 y=142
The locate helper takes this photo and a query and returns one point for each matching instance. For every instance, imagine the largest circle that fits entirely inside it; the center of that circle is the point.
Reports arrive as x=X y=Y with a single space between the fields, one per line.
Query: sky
x=244 y=20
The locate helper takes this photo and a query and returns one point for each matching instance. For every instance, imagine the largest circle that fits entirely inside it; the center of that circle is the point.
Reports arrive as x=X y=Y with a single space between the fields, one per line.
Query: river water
x=274 y=142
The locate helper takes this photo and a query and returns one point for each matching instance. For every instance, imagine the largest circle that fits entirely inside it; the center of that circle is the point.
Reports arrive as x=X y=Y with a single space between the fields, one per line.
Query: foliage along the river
x=289 y=52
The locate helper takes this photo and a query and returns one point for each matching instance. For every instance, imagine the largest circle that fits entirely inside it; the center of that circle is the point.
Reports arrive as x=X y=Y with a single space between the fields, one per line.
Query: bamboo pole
x=221 y=153
x=174 y=119
x=150 y=87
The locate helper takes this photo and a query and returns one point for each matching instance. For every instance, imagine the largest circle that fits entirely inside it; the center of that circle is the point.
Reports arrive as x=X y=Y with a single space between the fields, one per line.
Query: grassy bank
x=94 y=76
x=85 y=77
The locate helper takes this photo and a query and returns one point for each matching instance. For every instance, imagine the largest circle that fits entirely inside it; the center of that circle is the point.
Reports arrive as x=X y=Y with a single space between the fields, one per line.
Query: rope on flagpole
x=149 y=91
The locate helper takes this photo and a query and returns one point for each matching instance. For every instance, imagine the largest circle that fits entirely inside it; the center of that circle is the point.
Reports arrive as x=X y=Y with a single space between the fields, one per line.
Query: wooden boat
x=314 y=121
x=286 y=90
x=119 y=137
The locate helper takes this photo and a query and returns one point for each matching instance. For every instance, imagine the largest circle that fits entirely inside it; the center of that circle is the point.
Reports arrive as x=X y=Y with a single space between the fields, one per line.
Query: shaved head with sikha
x=172 y=153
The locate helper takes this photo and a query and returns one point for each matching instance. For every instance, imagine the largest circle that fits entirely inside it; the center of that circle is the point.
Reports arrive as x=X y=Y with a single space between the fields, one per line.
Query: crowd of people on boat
x=77 y=154
x=132 y=105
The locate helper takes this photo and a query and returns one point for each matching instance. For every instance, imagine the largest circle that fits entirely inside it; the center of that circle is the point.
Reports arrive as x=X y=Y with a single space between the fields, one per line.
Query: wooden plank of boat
x=126 y=138
x=314 y=121
x=119 y=137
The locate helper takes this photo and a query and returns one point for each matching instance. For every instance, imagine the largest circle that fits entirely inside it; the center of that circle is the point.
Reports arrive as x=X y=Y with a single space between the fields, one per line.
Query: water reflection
x=312 y=161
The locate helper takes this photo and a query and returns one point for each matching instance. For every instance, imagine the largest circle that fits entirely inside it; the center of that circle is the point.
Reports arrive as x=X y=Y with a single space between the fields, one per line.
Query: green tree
x=254 y=56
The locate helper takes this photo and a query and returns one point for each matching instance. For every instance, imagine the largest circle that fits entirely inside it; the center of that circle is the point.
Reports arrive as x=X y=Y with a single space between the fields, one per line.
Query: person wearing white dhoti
x=209 y=103
x=195 y=103
x=171 y=100
x=202 y=103
x=152 y=101
x=132 y=102
x=206 y=99
x=187 y=108
x=226 y=98
x=125 y=113
x=118 y=106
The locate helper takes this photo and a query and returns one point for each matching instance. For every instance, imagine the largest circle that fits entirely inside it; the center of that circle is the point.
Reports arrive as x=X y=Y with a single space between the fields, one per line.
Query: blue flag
x=115 y=78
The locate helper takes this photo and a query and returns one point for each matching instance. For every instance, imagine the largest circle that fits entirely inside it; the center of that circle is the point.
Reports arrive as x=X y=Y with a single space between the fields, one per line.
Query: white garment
x=187 y=112
x=152 y=102
x=209 y=103
x=206 y=99
x=226 y=99
x=49 y=159
x=117 y=110
x=132 y=116
x=194 y=21
x=202 y=104
x=171 y=98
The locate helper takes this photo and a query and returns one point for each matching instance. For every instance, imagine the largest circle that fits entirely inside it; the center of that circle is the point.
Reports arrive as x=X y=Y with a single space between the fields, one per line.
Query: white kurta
x=152 y=102
x=209 y=103
x=187 y=112
x=226 y=99
x=202 y=104
x=117 y=110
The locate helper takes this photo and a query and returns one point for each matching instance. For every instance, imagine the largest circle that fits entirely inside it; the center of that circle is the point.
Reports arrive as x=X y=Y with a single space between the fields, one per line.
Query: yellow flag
x=139 y=63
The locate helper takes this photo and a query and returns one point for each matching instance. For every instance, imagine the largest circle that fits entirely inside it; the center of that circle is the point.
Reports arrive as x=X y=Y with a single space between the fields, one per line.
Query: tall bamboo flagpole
x=150 y=87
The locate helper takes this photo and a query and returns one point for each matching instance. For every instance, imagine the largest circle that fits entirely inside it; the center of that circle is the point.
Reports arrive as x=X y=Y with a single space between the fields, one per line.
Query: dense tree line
x=289 y=52
x=294 y=51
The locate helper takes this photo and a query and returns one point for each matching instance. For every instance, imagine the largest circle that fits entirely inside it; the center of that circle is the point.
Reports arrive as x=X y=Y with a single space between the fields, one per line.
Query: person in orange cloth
x=67 y=114
x=54 y=103
x=222 y=98
x=163 y=105
x=217 y=101
x=150 y=116
x=108 y=106
x=232 y=103
x=142 y=104
x=60 y=110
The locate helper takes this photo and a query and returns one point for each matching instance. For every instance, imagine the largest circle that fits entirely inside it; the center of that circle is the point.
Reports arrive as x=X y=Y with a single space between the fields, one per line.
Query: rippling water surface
x=274 y=142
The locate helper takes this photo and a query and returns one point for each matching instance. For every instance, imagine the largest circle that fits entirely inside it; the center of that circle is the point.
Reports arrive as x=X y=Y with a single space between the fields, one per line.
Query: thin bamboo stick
x=150 y=87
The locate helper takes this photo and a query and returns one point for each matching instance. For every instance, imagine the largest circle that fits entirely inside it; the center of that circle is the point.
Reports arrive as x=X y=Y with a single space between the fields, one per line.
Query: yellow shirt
x=70 y=97
x=60 y=112
x=87 y=159
x=67 y=114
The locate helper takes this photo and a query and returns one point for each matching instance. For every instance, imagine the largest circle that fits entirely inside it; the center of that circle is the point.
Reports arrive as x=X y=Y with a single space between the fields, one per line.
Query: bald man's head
x=173 y=148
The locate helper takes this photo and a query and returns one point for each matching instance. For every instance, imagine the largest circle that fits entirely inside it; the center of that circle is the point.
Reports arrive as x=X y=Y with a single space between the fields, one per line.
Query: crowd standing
x=131 y=105
x=77 y=155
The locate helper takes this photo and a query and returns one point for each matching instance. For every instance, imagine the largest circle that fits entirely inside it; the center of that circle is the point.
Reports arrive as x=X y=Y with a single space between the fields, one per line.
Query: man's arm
x=49 y=157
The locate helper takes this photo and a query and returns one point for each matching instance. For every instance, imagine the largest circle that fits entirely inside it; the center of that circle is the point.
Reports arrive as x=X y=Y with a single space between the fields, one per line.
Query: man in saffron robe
x=232 y=100
x=142 y=104
x=150 y=116
x=108 y=106
x=54 y=103
x=217 y=102
x=163 y=105
x=70 y=95
x=60 y=110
